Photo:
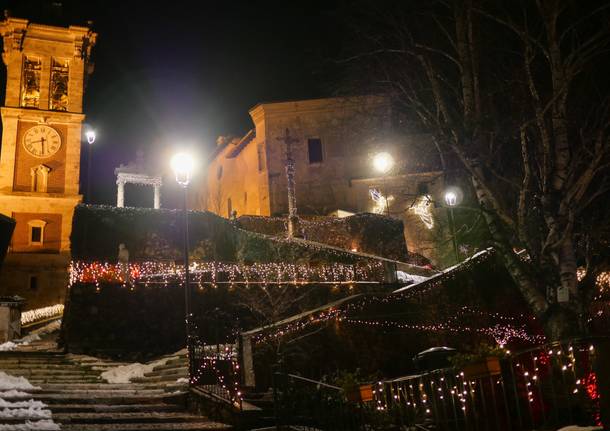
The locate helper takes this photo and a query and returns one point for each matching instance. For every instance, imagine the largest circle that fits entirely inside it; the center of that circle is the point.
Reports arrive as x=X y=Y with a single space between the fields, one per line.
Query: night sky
x=178 y=74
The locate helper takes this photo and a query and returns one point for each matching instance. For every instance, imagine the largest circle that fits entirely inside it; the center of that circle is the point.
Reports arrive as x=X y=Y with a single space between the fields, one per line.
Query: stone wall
x=366 y=233
x=156 y=234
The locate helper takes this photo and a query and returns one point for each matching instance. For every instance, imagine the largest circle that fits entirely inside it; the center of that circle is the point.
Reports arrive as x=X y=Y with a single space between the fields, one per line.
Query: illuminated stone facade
x=337 y=139
x=42 y=118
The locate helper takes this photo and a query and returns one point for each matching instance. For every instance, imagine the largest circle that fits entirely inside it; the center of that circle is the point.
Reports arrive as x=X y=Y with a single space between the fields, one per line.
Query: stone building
x=335 y=140
x=40 y=156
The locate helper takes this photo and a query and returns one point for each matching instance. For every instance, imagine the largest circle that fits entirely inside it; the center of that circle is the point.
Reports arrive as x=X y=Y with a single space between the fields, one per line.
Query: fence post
x=602 y=370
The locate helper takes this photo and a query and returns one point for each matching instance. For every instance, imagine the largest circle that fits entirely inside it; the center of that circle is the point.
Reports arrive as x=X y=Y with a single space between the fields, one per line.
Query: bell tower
x=46 y=68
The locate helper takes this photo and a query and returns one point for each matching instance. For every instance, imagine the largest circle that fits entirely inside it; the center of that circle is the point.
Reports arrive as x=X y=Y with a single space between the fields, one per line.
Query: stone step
x=125 y=391
x=99 y=385
x=187 y=426
x=167 y=372
x=102 y=398
x=31 y=363
x=112 y=408
x=170 y=365
x=69 y=366
x=168 y=380
x=125 y=417
x=51 y=372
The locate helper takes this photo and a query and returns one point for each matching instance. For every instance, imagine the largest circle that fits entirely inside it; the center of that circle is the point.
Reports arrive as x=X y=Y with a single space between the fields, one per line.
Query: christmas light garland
x=213 y=273
x=43 y=313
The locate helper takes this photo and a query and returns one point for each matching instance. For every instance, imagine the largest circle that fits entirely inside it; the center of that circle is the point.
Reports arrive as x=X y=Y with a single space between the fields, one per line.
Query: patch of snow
x=42 y=425
x=30 y=412
x=124 y=373
x=8 y=382
x=33 y=413
x=21 y=404
x=405 y=277
x=579 y=428
x=182 y=380
x=7 y=347
x=13 y=394
x=33 y=336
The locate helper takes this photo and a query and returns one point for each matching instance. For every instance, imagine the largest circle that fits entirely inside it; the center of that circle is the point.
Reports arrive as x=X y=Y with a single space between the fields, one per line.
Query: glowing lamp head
x=383 y=162
x=90 y=134
x=451 y=198
x=182 y=165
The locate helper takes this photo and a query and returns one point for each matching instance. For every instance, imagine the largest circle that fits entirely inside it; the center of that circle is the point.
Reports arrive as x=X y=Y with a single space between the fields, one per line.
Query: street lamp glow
x=182 y=165
x=90 y=134
x=383 y=162
x=451 y=198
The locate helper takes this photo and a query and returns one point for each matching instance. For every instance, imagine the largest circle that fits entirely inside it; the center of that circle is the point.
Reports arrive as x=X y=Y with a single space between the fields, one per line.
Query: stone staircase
x=80 y=400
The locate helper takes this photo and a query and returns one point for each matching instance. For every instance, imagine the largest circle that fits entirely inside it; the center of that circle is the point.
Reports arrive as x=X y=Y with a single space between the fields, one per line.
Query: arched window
x=40 y=178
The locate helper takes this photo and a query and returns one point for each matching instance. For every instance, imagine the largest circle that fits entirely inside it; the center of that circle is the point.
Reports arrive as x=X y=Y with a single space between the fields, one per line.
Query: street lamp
x=452 y=197
x=182 y=164
x=383 y=163
x=90 y=135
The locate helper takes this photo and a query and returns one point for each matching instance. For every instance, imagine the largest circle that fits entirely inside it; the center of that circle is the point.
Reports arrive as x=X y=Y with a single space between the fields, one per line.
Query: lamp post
x=383 y=163
x=182 y=165
x=451 y=200
x=90 y=135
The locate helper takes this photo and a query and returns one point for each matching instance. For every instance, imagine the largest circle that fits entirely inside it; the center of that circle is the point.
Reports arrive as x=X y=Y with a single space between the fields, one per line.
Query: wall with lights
x=156 y=235
x=367 y=233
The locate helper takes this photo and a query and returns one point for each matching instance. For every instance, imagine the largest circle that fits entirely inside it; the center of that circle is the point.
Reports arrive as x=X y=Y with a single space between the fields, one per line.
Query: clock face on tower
x=41 y=141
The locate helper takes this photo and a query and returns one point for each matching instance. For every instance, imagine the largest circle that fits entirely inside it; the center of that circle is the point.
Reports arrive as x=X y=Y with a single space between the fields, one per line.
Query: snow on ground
x=8 y=382
x=33 y=413
x=32 y=336
x=578 y=428
x=405 y=277
x=42 y=425
x=124 y=373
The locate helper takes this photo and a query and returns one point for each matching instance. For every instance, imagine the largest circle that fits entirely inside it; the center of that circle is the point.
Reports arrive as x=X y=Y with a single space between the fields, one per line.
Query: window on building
x=58 y=99
x=314 y=147
x=245 y=199
x=36 y=236
x=260 y=152
x=229 y=207
x=30 y=82
x=36 y=232
x=219 y=172
x=33 y=282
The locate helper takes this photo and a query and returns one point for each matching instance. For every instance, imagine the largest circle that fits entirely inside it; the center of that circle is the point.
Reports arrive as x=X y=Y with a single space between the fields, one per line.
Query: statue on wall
x=123 y=260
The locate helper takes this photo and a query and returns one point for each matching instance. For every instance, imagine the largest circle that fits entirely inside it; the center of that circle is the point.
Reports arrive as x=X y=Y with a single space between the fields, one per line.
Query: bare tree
x=514 y=92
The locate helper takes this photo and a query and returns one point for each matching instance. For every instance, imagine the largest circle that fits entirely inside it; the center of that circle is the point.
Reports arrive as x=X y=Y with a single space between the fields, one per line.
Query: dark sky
x=174 y=74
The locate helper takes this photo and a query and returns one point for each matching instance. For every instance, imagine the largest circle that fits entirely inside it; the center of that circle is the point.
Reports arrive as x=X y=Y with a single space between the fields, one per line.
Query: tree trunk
x=560 y=323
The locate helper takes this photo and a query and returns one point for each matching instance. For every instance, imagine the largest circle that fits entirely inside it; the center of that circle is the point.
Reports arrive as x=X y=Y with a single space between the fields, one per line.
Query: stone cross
x=290 y=169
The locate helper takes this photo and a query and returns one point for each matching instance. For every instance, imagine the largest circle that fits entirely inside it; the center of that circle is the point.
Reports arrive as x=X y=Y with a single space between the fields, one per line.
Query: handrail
x=311 y=381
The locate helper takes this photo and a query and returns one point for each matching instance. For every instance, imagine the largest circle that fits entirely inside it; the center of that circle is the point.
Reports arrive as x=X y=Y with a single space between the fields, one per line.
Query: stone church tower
x=42 y=117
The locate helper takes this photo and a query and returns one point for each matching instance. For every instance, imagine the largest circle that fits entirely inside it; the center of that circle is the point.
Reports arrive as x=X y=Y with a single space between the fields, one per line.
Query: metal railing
x=545 y=387
x=216 y=372
x=312 y=405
